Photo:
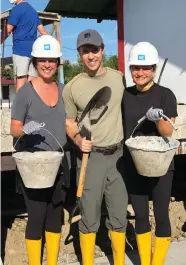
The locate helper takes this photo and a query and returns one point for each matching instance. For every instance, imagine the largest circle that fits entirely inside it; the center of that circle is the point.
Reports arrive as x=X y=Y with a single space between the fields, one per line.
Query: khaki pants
x=103 y=180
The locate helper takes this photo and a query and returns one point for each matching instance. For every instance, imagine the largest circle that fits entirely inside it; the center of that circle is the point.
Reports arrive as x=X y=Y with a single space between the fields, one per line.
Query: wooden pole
x=52 y=29
x=121 y=42
x=4 y=32
x=60 y=69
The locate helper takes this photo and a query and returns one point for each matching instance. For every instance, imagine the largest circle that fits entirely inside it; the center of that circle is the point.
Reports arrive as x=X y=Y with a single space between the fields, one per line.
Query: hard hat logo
x=141 y=57
x=47 y=47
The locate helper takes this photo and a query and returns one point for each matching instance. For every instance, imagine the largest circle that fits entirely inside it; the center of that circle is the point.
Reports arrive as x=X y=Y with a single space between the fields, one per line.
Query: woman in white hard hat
x=137 y=102
x=40 y=101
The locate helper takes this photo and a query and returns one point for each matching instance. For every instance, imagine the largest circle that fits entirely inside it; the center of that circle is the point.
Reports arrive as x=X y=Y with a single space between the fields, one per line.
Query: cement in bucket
x=152 y=155
x=38 y=169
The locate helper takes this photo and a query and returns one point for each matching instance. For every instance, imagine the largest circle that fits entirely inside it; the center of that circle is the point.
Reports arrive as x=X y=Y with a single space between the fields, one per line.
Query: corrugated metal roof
x=98 y=9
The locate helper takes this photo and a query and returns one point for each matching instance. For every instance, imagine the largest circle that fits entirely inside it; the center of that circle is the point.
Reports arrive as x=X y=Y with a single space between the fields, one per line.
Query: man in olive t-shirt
x=103 y=177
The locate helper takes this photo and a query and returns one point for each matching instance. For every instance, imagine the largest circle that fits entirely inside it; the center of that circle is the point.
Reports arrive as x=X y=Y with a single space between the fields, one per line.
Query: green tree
x=112 y=62
x=7 y=73
x=71 y=70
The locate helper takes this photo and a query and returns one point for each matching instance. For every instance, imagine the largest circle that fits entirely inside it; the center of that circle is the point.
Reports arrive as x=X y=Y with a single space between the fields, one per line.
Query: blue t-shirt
x=25 y=20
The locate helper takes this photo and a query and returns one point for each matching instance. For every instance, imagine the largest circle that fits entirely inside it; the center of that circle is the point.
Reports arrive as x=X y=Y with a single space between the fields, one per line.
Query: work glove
x=154 y=114
x=32 y=126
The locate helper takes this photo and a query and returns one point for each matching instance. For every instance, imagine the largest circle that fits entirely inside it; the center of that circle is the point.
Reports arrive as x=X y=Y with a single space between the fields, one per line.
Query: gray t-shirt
x=28 y=106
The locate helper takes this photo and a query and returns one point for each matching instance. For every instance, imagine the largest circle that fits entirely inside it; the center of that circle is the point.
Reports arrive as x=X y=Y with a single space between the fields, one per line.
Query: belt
x=109 y=150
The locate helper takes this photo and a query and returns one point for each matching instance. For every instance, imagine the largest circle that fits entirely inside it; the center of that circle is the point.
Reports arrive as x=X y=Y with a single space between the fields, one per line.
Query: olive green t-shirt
x=78 y=92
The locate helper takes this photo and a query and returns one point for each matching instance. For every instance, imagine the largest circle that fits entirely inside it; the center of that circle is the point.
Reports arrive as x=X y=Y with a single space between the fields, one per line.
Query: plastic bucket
x=38 y=169
x=151 y=161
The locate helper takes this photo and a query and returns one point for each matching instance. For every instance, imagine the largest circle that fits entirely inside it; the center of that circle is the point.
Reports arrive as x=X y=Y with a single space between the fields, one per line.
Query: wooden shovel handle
x=82 y=174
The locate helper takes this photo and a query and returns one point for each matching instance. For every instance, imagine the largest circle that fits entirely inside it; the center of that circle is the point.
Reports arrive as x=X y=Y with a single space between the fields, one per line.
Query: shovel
x=86 y=132
x=99 y=100
x=81 y=178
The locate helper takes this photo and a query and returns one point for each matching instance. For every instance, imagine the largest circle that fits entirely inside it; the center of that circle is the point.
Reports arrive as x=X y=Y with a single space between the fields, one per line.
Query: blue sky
x=70 y=28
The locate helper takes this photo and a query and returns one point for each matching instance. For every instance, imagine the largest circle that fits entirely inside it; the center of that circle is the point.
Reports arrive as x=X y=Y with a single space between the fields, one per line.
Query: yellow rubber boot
x=33 y=251
x=118 y=247
x=144 y=242
x=87 y=244
x=52 y=247
x=161 y=245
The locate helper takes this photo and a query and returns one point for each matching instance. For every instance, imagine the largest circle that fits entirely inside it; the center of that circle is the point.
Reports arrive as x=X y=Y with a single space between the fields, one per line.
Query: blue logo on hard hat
x=47 y=47
x=141 y=57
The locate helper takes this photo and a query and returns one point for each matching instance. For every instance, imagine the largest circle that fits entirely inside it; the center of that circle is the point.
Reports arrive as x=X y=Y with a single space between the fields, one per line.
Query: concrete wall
x=12 y=92
x=6 y=138
x=180 y=123
x=163 y=23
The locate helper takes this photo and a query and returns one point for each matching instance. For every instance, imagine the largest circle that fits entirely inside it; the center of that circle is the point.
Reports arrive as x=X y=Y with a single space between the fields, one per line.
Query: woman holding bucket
x=137 y=102
x=36 y=104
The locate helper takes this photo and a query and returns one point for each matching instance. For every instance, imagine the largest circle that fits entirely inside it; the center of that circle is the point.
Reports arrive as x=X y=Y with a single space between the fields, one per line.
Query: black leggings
x=43 y=214
x=160 y=188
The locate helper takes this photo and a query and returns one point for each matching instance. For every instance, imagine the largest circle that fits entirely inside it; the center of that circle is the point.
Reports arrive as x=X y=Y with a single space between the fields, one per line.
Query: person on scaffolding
x=102 y=177
x=23 y=23
x=146 y=98
x=39 y=101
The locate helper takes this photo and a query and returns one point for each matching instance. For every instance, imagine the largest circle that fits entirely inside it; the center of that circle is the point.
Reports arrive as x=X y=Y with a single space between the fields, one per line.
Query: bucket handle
x=40 y=129
x=139 y=123
x=144 y=118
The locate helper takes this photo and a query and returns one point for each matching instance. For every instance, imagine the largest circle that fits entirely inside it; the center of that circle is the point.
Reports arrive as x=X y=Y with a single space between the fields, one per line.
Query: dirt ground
x=15 y=252
x=13 y=249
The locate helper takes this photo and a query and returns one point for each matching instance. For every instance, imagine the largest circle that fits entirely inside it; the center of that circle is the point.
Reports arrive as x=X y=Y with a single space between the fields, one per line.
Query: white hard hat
x=46 y=46
x=143 y=53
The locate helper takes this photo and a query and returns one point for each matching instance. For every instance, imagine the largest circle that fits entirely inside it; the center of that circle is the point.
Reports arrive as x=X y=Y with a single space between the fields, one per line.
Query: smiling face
x=142 y=74
x=91 y=57
x=46 y=67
